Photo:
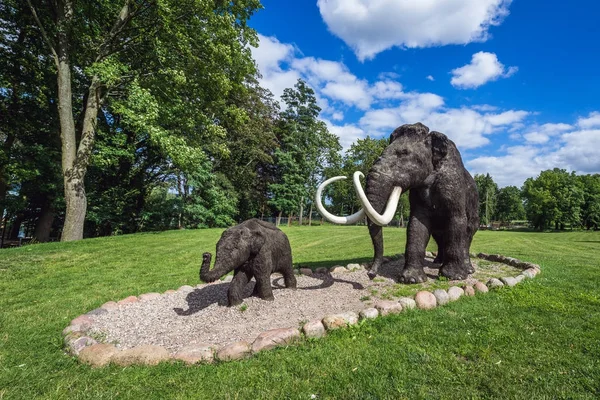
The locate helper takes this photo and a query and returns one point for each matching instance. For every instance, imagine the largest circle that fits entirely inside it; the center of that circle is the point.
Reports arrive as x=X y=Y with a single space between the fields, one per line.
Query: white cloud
x=370 y=27
x=542 y=134
x=484 y=107
x=484 y=67
x=387 y=89
x=430 y=78
x=467 y=127
x=576 y=151
x=337 y=116
x=353 y=94
x=348 y=133
x=269 y=56
x=592 y=121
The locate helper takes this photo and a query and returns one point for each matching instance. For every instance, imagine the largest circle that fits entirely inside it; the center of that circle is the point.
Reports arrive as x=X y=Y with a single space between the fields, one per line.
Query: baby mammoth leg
x=288 y=278
x=263 y=287
x=236 y=287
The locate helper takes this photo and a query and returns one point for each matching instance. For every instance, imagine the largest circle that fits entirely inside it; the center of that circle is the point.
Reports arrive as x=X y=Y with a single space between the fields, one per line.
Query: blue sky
x=515 y=84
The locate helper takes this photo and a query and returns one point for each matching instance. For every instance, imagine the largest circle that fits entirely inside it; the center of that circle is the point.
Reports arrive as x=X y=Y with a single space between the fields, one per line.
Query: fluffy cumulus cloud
x=467 y=127
x=591 y=121
x=347 y=133
x=354 y=108
x=384 y=103
x=542 y=134
x=370 y=27
x=271 y=56
x=484 y=67
x=571 y=148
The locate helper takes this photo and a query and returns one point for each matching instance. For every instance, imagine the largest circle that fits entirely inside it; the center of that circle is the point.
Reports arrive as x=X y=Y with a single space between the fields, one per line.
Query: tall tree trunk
x=278 y=221
x=310 y=215
x=16 y=226
x=301 y=211
x=75 y=158
x=73 y=166
x=290 y=219
x=44 y=224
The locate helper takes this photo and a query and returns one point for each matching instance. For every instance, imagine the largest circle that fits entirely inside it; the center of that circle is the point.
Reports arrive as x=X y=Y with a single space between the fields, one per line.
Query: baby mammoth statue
x=253 y=248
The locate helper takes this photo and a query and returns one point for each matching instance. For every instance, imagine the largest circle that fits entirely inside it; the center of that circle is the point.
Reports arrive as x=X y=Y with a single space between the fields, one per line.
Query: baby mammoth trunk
x=210 y=276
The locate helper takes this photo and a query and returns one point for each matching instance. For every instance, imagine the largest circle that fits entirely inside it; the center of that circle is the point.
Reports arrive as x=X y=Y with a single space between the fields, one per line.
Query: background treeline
x=128 y=116
x=556 y=199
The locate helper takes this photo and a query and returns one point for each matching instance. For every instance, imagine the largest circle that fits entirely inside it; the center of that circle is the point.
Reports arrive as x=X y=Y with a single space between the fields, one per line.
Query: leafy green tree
x=590 y=210
x=165 y=66
x=509 y=204
x=554 y=197
x=29 y=148
x=251 y=144
x=359 y=157
x=488 y=192
x=305 y=149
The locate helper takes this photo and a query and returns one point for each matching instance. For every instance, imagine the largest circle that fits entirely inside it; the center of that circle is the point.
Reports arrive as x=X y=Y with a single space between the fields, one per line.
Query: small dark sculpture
x=443 y=201
x=252 y=249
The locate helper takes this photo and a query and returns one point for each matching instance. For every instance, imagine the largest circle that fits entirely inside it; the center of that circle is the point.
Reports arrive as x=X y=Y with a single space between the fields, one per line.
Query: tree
x=251 y=142
x=305 y=148
x=590 y=209
x=164 y=66
x=488 y=192
x=361 y=156
x=29 y=149
x=509 y=204
x=554 y=197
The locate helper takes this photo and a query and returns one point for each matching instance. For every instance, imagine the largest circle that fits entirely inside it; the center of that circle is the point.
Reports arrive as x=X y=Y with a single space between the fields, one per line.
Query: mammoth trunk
x=218 y=271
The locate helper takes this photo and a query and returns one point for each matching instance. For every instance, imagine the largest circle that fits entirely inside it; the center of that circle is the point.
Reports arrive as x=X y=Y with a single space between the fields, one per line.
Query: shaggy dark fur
x=443 y=200
x=252 y=249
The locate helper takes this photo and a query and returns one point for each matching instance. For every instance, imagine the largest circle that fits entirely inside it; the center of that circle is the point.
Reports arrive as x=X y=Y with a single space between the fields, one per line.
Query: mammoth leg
x=376 y=233
x=263 y=287
x=288 y=277
x=455 y=241
x=467 y=257
x=416 y=242
x=438 y=236
x=236 y=287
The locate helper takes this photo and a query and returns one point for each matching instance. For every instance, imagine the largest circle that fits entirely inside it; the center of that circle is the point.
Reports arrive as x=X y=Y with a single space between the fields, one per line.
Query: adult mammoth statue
x=253 y=248
x=443 y=201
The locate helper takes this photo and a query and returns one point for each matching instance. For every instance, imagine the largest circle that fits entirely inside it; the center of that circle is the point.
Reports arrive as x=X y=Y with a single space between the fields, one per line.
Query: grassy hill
x=540 y=339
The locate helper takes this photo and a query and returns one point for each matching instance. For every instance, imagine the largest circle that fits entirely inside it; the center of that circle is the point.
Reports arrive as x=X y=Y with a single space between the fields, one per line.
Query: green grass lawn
x=540 y=339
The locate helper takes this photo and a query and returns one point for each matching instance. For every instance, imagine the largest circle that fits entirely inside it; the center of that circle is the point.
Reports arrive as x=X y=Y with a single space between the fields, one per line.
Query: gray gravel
x=200 y=315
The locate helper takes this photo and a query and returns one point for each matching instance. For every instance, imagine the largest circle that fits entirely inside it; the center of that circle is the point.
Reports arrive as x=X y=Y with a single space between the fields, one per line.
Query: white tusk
x=350 y=219
x=390 y=208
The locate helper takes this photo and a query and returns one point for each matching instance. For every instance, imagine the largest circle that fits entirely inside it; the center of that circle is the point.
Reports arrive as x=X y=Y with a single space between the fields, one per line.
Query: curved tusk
x=350 y=219
x=390 y=208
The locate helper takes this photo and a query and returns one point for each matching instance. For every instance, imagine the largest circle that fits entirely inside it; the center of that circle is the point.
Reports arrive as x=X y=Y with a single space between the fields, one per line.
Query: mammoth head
x=412 y=156
x=240 y=243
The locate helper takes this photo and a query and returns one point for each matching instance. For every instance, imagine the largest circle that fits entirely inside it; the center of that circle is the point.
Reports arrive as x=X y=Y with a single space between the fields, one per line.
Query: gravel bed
x=201 y=315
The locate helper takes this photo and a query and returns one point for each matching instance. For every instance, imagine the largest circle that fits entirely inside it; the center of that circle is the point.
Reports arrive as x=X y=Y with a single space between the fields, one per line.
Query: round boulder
x=454 y=293
x=407 y=303
x=441 y=296
x=425 y=300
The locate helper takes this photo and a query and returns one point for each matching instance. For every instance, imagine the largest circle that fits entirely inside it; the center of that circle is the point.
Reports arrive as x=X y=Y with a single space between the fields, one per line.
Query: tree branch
x=125 y=16
x=44 y=35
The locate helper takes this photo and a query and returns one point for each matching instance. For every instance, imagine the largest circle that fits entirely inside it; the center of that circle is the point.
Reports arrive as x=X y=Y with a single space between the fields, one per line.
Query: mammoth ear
x=439 y=147
x=257 y=240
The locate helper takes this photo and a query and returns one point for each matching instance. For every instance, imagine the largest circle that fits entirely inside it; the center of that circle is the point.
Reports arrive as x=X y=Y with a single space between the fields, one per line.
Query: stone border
x=80 y=343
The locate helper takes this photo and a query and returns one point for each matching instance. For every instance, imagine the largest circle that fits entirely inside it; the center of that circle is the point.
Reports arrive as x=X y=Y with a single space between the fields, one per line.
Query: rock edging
x=90 y=350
